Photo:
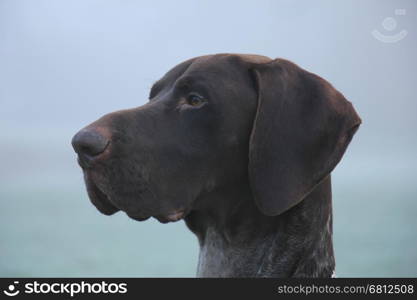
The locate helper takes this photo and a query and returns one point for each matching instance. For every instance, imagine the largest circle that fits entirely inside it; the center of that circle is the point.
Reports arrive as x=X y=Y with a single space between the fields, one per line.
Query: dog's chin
x=163 y=218
x=171 y=217
x=102 y=202
x=138 y=218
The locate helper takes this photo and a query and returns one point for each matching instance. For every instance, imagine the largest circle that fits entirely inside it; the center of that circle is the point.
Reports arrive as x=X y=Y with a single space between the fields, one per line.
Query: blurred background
x=65 y=63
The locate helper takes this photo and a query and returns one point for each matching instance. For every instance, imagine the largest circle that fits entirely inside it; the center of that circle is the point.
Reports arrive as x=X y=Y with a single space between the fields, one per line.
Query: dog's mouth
x=107 y=207
x=172 y=217
x=100 y=200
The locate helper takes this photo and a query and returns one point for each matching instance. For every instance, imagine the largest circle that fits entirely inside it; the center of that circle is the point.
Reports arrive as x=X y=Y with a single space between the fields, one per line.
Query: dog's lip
x=137 y=215
x=139 y=218
x=100 y=200
x=176 y=215
x=173 y=216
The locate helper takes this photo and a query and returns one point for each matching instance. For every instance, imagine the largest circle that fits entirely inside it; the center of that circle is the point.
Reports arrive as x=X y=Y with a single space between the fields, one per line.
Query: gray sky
x=65 y=63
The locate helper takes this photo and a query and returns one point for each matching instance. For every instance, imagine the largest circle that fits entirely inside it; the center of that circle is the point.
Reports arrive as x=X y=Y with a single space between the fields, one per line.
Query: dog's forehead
x=215 y=67
x=220 y=70
x=214 y=64
x=223 y=63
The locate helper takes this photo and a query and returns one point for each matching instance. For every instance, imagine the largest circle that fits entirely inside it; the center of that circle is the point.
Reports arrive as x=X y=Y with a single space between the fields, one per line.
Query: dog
x=241 y=148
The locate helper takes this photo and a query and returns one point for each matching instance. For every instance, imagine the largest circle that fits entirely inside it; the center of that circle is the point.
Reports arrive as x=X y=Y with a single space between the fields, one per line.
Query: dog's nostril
x=89 y=142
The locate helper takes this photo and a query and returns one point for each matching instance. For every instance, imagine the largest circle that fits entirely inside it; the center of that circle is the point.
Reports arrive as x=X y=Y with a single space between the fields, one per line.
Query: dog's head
x=211 y=122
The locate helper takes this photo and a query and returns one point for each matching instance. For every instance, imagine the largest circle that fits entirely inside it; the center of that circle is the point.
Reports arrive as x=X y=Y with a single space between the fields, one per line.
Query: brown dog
x=241 y=147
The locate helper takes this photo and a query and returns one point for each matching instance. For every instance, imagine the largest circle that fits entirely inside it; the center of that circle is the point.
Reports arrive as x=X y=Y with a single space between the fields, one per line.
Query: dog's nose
x=89 y=143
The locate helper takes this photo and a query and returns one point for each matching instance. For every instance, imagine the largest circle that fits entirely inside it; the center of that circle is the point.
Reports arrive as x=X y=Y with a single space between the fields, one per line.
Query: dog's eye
x=195 y=100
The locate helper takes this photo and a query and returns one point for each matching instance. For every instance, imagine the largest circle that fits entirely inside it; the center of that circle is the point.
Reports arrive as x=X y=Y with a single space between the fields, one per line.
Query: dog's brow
x=184 y=82
x=156 y=87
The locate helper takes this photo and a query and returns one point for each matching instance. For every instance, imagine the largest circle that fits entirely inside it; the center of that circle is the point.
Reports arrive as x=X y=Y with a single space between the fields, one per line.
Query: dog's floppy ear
x=301 y=130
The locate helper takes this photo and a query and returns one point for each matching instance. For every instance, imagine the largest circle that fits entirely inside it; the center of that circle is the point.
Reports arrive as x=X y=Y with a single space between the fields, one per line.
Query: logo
x=11 y=289
x=390 y=24
x=69 y=288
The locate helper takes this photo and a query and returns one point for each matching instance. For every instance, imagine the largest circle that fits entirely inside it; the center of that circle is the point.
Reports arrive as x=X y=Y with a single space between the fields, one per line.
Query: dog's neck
x=236 y=240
